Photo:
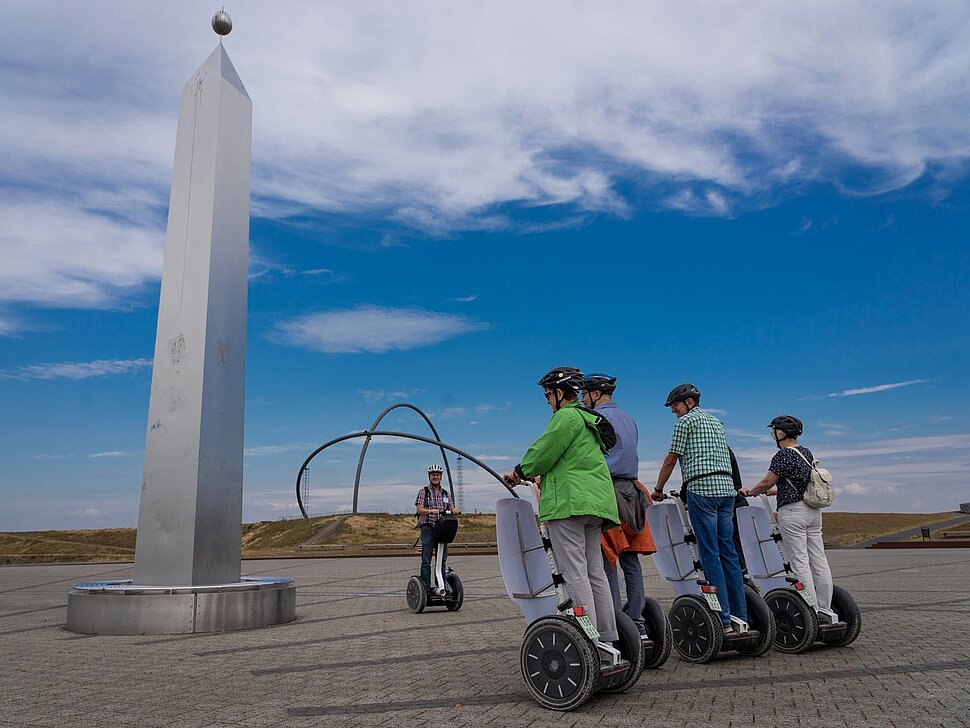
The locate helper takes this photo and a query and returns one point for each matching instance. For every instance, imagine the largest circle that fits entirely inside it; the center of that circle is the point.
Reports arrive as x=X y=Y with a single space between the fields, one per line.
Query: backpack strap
x=811 y=465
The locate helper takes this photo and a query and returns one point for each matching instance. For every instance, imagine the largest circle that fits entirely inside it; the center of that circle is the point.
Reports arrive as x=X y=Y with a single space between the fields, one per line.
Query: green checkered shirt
x=700 y=445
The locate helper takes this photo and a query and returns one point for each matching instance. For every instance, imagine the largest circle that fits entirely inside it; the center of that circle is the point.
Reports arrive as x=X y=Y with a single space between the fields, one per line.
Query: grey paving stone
x=356 y=656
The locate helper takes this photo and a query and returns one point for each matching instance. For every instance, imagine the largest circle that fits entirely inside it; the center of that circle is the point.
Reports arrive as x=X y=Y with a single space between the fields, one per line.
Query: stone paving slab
x=356 y=656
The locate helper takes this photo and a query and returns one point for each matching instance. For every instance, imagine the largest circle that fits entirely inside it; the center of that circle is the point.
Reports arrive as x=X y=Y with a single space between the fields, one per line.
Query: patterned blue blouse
x=793 y=474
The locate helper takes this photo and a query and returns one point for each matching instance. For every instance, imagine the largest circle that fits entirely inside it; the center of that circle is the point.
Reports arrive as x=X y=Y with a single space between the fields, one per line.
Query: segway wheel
x=796 y=626
x=631 y=648
x=658 y=630
x=559 y=663
x=454 y=600
x=844 y=605
x=759 y=619
x=416 y=594
x=696 y=629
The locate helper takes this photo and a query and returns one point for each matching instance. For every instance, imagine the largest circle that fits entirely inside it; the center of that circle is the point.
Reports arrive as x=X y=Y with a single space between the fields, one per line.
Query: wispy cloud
x=275 y=449
x=466 y=299
x=803 y=227
x=109 y=454
x=88 y=513
x=76 y=370
x=373 y=329
x=451 y=412
x=877 y=388
x=456 y=136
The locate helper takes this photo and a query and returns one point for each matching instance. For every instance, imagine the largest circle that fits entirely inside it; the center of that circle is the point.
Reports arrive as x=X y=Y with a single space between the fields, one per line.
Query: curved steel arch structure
x=363 y=449
x=389 y=433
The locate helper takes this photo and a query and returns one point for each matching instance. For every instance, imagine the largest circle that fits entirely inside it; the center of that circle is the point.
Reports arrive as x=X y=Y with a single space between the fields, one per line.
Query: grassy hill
x=284 y=538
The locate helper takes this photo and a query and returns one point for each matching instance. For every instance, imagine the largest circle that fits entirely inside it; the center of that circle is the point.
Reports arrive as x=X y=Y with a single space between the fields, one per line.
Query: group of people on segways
x=595 y=519
x=576 y=510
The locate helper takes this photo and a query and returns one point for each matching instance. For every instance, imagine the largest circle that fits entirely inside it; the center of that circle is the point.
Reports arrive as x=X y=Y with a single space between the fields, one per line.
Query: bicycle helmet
x=791 y=426
x=599 y=382
x=435 y=468
x=562 y=378
x=682 y=392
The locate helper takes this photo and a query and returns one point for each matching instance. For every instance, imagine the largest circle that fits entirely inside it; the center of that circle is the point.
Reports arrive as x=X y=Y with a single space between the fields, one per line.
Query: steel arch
x=390 y=433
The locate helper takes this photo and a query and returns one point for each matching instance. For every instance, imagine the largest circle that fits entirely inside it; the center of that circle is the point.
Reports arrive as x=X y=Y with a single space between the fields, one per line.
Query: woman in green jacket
x=576 y=498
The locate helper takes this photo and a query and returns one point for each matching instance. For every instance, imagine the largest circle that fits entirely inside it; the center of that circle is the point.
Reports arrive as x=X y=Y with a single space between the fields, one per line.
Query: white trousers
x=801 y=529
x=576 y=546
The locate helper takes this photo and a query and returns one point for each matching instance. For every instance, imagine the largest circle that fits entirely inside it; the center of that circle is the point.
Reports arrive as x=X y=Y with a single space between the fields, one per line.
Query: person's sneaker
x=642 y=630
x=729 y=629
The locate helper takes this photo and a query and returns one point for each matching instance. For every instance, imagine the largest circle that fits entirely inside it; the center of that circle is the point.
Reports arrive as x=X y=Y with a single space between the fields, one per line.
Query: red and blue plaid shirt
x=434 y=498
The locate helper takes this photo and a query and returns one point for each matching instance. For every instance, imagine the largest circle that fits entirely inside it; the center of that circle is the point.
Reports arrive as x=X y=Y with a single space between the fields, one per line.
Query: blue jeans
x=427 y=550
x=711 y=519
x=633 y=576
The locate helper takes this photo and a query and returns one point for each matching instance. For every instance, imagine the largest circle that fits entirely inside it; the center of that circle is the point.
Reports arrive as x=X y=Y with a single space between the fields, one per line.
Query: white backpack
x=819 y=492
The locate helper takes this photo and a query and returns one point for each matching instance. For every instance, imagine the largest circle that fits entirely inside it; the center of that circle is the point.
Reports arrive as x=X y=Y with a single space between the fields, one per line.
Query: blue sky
x=767 y=200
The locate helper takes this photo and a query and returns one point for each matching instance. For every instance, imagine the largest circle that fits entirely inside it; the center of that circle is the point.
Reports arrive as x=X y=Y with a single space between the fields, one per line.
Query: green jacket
x=570 y=458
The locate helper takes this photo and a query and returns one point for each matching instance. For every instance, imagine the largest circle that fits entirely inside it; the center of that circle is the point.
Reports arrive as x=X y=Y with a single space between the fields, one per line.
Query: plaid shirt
x=700 y=444
x=434 y=498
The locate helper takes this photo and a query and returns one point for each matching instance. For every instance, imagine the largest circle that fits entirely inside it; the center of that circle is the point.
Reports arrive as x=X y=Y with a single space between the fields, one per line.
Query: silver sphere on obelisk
x=222 y=23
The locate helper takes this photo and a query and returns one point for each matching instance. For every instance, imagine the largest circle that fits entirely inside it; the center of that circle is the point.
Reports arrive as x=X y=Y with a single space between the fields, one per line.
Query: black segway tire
x=416 y=595
x=844 y=605
x=454 y=600
x=559 y=663
x=631 y=648
x=696 y=629
x=658 y=630
x=760 y=619
x=796 y=625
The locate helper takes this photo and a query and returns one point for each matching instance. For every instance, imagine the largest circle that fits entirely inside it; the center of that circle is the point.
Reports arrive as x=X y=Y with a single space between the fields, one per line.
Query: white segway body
x=800 y=622
x=695 y=615
x=522 y=559
x=562 y=659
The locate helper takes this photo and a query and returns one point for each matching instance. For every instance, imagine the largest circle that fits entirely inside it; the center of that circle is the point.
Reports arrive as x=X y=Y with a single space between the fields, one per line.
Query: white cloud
x=433 y=115
x=466 y=299
x=88 y=513
x=275 y=449
x=877 y=388
x=854 y=489
x=373 y=329
x=76 y=370
x=59 y=254
x=109 y=454
x=450 y=413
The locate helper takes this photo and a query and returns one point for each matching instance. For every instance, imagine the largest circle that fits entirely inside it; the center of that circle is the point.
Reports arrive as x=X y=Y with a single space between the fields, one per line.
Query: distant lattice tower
x=305 y=490
x=461 y=484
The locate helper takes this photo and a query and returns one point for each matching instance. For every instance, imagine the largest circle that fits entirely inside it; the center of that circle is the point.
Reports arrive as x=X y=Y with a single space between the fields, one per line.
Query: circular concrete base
x=120 y=607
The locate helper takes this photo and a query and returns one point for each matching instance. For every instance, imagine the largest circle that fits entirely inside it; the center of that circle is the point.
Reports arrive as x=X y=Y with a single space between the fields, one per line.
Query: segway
x=695 y=614
x=799 y=621
x=446 y=589
x=563 y=662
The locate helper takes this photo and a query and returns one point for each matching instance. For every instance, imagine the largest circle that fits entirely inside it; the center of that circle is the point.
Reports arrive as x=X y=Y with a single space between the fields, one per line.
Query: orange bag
x=622 y=538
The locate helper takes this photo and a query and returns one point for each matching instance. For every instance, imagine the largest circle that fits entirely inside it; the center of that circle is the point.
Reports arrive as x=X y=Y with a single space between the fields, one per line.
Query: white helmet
x=435 y=468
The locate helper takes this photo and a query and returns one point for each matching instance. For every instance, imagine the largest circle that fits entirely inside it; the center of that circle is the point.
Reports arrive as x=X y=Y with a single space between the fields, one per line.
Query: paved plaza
x=356 y=656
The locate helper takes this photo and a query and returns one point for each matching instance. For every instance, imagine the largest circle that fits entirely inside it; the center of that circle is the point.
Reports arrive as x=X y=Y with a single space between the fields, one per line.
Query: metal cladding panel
x=191 y=501
x=224 y=611
x=132 y=614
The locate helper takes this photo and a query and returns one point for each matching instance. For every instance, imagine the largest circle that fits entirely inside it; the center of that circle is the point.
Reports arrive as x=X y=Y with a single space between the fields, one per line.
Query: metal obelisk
x=189 y=521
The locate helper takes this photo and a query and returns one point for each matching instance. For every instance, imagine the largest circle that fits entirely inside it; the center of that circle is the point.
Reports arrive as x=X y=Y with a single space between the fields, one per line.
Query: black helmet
x=599 y=382
x=682 y=392
x=562 y=378
x=791 y=426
